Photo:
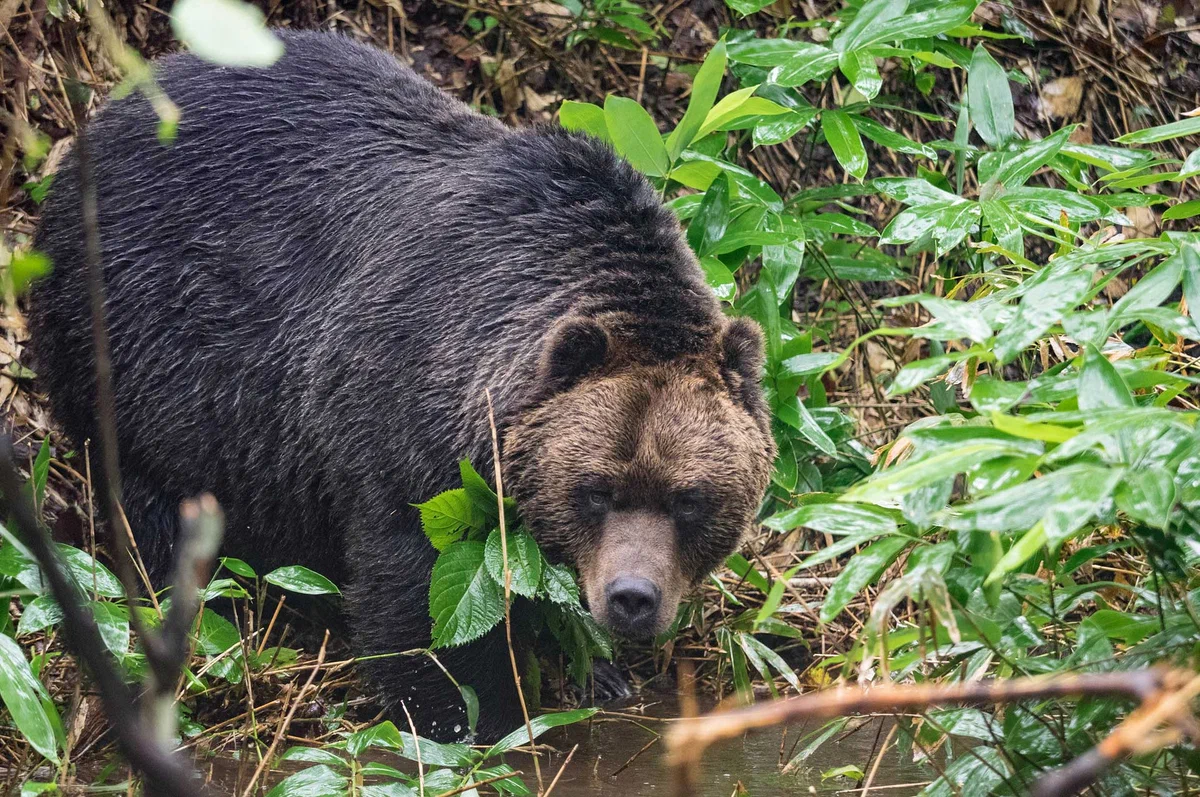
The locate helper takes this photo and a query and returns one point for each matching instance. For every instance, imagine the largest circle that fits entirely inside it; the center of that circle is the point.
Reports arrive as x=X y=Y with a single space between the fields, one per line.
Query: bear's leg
x=388 y=605
x=154 y=520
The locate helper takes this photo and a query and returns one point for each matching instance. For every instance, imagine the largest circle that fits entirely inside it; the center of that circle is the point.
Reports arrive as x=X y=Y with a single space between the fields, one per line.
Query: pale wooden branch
x=1163 y=695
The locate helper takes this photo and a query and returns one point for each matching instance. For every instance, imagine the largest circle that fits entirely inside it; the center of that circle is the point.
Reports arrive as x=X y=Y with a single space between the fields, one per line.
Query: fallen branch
x=1163 y=696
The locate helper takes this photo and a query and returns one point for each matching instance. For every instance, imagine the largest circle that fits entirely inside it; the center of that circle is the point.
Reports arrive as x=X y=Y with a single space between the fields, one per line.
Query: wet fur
x=308 y=294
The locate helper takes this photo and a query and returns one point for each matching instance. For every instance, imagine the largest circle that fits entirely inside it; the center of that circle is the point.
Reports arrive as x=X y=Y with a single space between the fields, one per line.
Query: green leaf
x=226 y=32
x=1190 y=256
x=482 y=496
x=1005 y=226
x=1147 y=495
x=39 y=614
x=777 y=129
x=864 y=568
x=1100 y=386
x=447 y=516
x=871 y=18
x=313 y=755
x=889 y=485
x=710 y=222
x=112 y=621
x=538 y=725
x=1184 y=210
x=859 y=68
x=318 y=781
x=26 y=700
x=989 y=98
x=559 y=585
x=295 y=578
x=1184 y=127
x=915 y=191
x=886 y=137
x=583 y=117
x=835 y=518
x=238 y=567
x=845 y=142
x=635 y=136
x=25 y=267
x=1012 y=169
x=86 y=571
x=809 y=62
x=1191 y=166
x=918 y=372
x=1150 y=291
x=524 y=562
x=464 y=600
x=719 y=278
x=924 y=19
x=1043 y=305
x=704 y=93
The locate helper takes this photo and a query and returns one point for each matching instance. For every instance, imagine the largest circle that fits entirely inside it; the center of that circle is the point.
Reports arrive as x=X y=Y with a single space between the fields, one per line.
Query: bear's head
x=644 y=475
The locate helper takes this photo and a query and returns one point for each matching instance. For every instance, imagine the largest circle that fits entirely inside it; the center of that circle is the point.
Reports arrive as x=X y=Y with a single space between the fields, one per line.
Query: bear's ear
x=574 y=347
x=742 y=356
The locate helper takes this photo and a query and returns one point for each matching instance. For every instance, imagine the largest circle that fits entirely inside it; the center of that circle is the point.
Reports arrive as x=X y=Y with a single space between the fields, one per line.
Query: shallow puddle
x=621 y=753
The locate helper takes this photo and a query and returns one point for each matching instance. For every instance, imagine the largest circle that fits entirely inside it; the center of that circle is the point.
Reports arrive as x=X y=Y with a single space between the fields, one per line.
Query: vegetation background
x=969 y=232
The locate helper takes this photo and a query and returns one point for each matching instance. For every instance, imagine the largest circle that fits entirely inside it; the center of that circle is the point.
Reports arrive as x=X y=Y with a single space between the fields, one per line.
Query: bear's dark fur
x=310 y=291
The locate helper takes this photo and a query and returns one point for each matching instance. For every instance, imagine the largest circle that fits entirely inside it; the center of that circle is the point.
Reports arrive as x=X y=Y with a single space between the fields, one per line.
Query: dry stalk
x=512 y=656
x=1163 y=696
x=287 y=719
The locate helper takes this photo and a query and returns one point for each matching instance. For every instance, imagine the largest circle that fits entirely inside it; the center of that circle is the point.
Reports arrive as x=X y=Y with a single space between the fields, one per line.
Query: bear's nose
x=633 y=605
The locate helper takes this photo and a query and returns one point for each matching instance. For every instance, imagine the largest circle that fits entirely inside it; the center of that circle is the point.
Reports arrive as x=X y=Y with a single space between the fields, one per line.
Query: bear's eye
x=686 y=507
x=597 y=499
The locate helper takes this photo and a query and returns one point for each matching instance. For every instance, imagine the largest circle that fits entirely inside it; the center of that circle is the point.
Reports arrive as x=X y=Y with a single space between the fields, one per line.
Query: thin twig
x=287 y=719
x=561 y=770
x=512 y=656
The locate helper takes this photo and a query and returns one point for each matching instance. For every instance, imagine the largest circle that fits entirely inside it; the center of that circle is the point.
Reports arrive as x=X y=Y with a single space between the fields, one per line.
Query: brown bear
x=311 y=289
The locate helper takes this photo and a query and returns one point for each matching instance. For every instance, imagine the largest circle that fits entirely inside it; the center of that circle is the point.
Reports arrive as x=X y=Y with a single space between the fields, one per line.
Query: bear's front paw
x=608 y=684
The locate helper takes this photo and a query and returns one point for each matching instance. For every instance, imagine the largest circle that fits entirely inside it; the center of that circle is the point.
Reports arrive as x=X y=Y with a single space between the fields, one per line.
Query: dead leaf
x=1061 y=98
x=1145 y=223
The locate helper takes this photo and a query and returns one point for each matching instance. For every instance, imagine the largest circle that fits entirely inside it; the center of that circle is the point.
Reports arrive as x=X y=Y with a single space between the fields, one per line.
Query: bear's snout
x=633 y=605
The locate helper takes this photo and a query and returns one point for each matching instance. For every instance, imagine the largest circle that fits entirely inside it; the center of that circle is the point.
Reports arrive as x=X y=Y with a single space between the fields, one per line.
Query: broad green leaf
x=25 y=267
x=1184 y=210
x=1039 y=308
x=770 y=657
x=835 y=518
x=635 y=136
x=316 y=781
x=238 y=567
x=859 y=68
x=39 y=614
x=977 y=773
x=464 y=600
x=839 y=224
x=583 y=117
x=1100 y=386
x=746 y=571
x=748 y=7
x=1190 y=257
x=726 y=109
x=1147 y=495
x=704 y=93
x=1060 y=502
x=447 y=516
x=890 y=484
x=719 y=278
x=538 y=725
x=314 y=755
x=990 y=98
x=1150 y=291
x=1189 y=126
x=915 y=191
x=863 y=568
x=960 y=317
x=89 y=574
x=845 y=142
x=953 y=224
x=112 y=620
x=1005 y=225
x=383 y=734
x=868 y=20
x=889 y=138
x=922 y=19
x=768 y=53
x=524 y=561
x=226 y=32
x=796 y=414
x=480 y=492
x=813 y=62
x=708 y=226
x=918 y=372
x=1048 y=203
x=26 y=700
x=295 y=578
x=1012 y=169
x=777 y=129
x=1191 y=166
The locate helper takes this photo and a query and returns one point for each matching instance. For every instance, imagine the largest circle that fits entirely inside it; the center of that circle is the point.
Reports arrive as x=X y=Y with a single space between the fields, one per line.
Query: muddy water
x=619 y=753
